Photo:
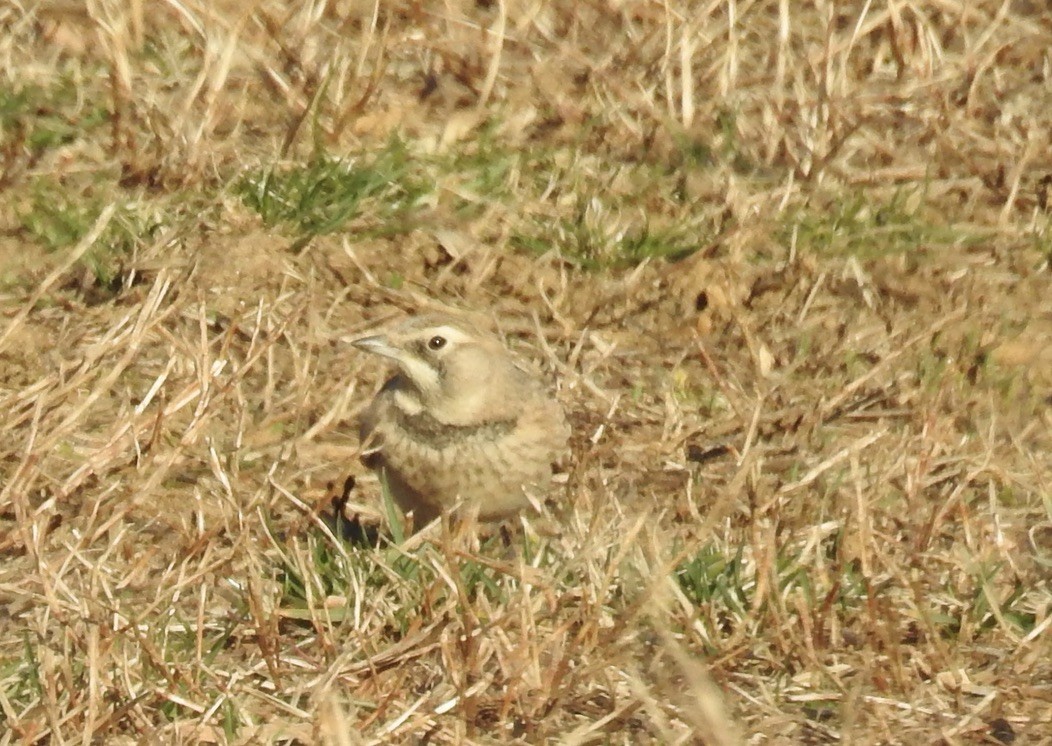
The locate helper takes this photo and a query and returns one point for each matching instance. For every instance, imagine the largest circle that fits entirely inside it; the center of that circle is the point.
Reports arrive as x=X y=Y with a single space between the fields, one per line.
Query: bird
x=462 y=425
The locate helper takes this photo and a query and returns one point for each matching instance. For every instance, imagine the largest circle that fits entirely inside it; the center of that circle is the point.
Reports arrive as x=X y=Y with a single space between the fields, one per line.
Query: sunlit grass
x=784 y=271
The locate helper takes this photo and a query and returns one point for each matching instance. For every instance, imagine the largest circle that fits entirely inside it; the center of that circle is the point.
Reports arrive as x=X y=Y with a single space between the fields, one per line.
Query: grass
x=786 y=270
x=592 y=240
x=35 y=120
x=328 y=194
x=855 y=226
x=55 y=220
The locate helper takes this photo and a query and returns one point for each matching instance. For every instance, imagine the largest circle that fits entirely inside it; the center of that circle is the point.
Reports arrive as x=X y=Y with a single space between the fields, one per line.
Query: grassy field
x=787 y=265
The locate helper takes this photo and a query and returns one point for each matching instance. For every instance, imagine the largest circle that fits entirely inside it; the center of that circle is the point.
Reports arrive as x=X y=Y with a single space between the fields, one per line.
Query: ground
x=785 y=265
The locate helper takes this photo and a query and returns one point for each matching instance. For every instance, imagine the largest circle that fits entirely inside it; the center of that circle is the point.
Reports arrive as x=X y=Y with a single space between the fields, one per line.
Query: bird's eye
x=436 y=342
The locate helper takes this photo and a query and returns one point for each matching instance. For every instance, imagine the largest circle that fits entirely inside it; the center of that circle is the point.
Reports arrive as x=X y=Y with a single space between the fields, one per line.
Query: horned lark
x=461 y=423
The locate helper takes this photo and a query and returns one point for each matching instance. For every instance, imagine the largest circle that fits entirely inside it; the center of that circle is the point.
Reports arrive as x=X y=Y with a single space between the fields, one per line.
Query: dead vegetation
x=788 y=263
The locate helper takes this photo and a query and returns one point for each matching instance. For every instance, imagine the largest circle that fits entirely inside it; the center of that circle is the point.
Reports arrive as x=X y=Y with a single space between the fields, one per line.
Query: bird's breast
x=430 y=432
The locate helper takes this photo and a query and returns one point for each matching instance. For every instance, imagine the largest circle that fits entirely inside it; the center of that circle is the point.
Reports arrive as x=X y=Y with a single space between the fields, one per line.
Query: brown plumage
x=462 y=422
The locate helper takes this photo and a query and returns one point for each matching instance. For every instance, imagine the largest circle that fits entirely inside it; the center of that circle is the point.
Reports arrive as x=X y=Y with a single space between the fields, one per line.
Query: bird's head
x=456 y=372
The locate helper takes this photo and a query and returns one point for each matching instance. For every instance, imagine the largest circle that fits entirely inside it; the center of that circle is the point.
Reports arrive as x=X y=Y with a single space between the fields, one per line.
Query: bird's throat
x=407 y=402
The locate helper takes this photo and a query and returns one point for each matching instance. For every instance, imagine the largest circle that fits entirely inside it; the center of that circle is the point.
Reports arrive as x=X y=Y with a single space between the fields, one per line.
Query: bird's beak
x=377 y=344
